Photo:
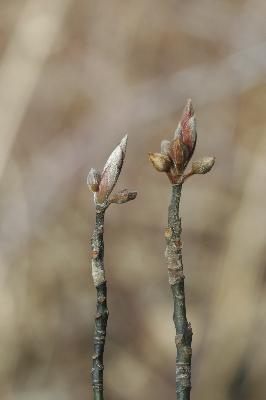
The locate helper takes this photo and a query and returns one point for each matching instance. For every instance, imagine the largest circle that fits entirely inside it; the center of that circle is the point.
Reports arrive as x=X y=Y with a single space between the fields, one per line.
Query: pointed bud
x=161 y=162
x=123 y=145
x=203 y=165
x=188 y=112
x=122 y=197
x=93 y=180
x=111 y=171
x=165 y=147
x=186 y=132
x=189 y=134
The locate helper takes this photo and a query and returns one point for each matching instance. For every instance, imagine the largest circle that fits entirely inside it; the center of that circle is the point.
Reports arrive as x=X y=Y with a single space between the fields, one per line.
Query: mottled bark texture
x=183 y=337
x=102 y=185
x=173 y=160
x=97 y=245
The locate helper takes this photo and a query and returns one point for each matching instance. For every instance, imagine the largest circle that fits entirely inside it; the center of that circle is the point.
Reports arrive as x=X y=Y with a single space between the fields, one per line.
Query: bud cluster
x=176 y=154
x=102 y=184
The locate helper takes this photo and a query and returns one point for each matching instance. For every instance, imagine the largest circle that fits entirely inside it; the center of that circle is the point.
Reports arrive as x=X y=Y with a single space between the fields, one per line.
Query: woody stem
x=98 y=274
x=176 y=279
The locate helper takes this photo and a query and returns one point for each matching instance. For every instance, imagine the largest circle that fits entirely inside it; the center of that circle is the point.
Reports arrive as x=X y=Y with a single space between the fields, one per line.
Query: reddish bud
x=177 y=153
x=188 y=112
x=187 y=132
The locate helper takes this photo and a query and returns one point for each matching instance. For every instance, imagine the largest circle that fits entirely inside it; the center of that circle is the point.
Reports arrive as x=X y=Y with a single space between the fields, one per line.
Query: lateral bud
x=161 y=162
x=122 y=197
x=203 y=165
x=93 y=180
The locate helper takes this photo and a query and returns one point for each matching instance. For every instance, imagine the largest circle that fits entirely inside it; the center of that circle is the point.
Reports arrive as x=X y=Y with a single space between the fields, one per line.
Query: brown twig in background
x=173 y=160
x=102 y=185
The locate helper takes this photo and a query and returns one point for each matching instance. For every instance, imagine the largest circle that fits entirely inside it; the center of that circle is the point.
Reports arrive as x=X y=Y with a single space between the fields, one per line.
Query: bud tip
x=123 y=144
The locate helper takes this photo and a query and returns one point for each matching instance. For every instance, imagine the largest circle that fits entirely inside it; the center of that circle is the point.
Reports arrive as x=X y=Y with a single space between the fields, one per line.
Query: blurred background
x=74 y=77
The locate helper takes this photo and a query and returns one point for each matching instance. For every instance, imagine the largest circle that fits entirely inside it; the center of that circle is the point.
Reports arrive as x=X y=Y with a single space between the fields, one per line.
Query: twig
x=102 y=185
x=173 y=160
x=176 y=279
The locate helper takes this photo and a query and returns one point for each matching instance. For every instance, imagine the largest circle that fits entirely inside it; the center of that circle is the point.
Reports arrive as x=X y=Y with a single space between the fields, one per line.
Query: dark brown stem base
x=183 y=338
x=101 y=317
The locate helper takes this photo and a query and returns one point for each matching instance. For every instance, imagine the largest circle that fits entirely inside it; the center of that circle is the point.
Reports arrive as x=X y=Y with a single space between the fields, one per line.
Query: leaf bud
x=203 y=165
x=161 y=162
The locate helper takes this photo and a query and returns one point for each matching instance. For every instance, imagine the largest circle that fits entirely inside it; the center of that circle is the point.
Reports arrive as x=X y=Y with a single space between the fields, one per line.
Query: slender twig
x=176 y=279
x=102 y=185
x=101 y=317
x=173 y=160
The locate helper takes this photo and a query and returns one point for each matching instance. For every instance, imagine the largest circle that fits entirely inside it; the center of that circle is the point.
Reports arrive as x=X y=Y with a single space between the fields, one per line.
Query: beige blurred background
x=74 y=77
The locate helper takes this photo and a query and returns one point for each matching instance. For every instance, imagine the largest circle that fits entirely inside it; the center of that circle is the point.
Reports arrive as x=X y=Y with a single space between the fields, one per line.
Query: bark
x=183 y=338
x=98 y=274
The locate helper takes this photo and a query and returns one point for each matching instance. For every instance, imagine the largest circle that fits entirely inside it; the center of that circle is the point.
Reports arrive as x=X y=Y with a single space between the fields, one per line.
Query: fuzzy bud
x=93 y=180
x=122 y=197
x=161 y=162
x=111 y=171
x=203 y=165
